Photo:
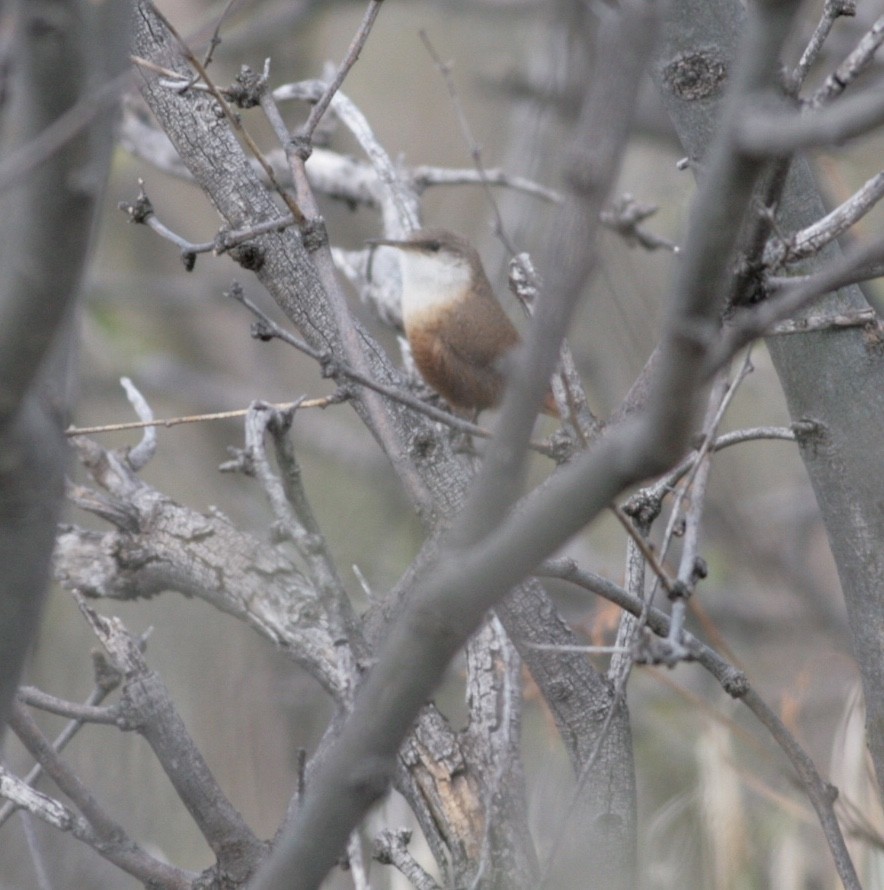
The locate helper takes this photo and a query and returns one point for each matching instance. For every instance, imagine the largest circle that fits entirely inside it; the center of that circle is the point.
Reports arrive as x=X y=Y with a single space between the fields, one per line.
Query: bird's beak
x=387 y=242
x=372 y=243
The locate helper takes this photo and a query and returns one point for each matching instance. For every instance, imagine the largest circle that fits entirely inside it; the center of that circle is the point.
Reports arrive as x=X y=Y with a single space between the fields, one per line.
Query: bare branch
x=649 y=497
x=21 y=794
x=295 y=520
x=391 y=848
x=691 y=568
x=832 y=10
x=625 y=215
x=232 y=117
x=142 y=211
x=777 y=133
x=197 y=554
x=753 y=322
x=29 y=695
x=399 y=205
x=110 y=837
x=864 y=318
x=809 y=241
x=150 y=708
x=140 y=455
x=269 y=328
x=479 y=564
x=848 y=71
x=349 y=60
x=107 y=680
x=736 y=684
x=424 y=177
x=192 y=418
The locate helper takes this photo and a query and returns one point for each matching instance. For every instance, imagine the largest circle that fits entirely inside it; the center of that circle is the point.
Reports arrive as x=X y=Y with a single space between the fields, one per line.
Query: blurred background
x=719 y=806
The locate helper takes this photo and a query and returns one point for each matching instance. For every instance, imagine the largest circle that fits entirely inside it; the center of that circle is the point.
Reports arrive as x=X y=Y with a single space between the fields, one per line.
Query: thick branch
x=834 y=379
x=60 y=50
x=436 y=478
x=470 y=577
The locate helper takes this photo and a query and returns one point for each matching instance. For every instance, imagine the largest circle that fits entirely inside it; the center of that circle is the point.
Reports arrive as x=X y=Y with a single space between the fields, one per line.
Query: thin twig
x=149 y=872
x=141 y=211
x=107 y=680
x=323 y=402
x=713 y=420
x=142 y=454
x=587 y=650
x=270 y=328
x=689 y=571
x=475 y=149
x=859 y=319
x=113 y=841
x=666 y=484
x=36 y=698
x=232 y=117
x=424 y=177
x=149 y=705
x=832 y=10
x=399 y=204
x=214 y=42
x=647 y=551
x=695 y=467
x=753 y=322
x=391 y=848
x=296 y=521
x=821 y=793
x=23 y=725
x=215 y=39
x=625 y=215
x=848 y=71
x=736 y=684
x=809 y=241
x=349 y=60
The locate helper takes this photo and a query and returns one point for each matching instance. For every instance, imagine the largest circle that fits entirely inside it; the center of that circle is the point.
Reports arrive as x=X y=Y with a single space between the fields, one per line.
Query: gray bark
x=63 y=51
x=833 y=378
x=435 y=477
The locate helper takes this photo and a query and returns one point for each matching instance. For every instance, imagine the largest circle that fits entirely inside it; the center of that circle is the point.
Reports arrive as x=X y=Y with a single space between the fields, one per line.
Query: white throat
x=430 y=281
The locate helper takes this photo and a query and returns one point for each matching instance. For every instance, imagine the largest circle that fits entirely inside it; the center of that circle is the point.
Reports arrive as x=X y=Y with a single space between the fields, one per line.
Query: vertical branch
x=477 y=566
x=494 y=697
x=834 y=379
x=62 y=50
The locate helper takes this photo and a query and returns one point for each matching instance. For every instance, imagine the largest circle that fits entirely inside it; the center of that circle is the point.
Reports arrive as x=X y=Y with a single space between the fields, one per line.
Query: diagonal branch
x=110 y=837
x=149 y=708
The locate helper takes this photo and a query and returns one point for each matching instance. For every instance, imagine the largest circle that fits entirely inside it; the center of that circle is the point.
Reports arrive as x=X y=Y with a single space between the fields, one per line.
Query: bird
x=457 y=330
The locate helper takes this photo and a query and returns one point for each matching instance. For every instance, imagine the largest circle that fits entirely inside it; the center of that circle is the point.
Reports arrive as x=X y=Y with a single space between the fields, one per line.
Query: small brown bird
x=457 y=330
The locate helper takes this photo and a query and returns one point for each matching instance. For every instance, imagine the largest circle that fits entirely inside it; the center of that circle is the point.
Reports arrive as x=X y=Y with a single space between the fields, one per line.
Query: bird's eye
x=433 y=246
